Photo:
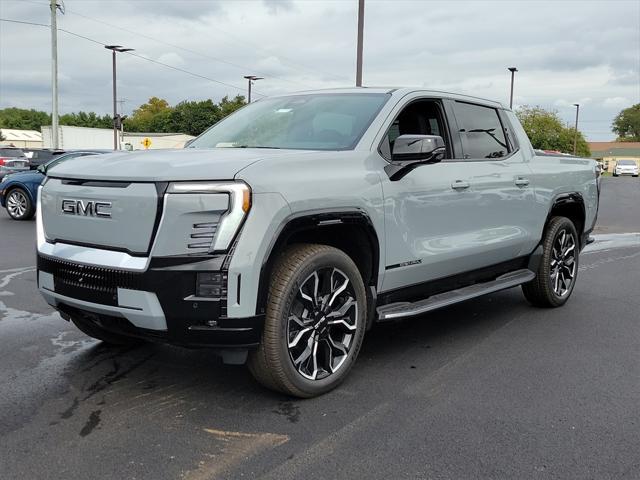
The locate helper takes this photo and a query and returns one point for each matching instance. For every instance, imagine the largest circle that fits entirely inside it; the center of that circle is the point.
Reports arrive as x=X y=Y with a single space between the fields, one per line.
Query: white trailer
x=73 y=138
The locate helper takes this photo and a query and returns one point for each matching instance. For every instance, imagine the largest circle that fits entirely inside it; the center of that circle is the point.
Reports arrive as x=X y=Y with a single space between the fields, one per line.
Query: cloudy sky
x=581 y=51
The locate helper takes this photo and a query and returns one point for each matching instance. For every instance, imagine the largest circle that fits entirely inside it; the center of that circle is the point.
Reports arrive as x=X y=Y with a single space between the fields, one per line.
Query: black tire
x=95 y=331
x=19 y=205
x=549 y=290
x=299 y=268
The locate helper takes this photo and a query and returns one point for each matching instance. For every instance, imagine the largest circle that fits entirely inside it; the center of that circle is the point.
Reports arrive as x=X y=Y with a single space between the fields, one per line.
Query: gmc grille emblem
x=89 y=208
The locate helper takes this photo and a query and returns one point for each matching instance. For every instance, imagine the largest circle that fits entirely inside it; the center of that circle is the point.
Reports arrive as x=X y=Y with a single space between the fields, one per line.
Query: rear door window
x=481 y=131
x=11 y=152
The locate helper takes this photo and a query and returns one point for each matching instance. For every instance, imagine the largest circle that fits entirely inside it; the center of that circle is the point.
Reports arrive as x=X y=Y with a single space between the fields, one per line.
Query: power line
x=10 y=20
x=242 y=89
x=220 y=60
x=237 y=39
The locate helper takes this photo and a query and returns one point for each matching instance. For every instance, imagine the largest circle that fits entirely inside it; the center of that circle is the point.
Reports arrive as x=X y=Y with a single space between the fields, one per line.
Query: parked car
x=19 y=191
x=287 y=230
x=40 y=156
x=626 y=167
x=12 y=160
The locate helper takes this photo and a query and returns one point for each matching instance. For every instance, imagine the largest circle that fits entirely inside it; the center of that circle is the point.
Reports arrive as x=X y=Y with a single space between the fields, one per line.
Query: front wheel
x=19 y=205
x=314 y=324
x=558 y=269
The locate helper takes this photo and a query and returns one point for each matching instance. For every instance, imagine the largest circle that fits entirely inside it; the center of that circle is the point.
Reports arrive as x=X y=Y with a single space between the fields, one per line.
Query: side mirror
x=42 y=169
x=409 y=151
x=417 y=147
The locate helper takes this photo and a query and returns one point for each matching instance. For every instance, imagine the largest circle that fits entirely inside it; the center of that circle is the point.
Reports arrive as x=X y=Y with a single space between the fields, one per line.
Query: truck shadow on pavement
x=159 y=380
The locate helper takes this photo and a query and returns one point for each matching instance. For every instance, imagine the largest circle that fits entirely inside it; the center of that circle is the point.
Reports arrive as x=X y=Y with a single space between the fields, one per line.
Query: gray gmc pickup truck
x=287 y=230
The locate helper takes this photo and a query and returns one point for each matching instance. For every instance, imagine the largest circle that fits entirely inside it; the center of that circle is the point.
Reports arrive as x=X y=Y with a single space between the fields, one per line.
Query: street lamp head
x=576 y=104
x=253 y=78
x=512 y=69
x=118 y=48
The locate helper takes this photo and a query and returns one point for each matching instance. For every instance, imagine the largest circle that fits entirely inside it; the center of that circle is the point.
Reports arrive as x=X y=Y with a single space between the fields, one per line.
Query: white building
x=71 y=138
x=21 y=138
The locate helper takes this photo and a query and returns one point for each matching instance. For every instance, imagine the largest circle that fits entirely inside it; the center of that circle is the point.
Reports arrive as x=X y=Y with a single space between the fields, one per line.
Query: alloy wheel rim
x=17 y=204
x=563 y=263
x=321 y=324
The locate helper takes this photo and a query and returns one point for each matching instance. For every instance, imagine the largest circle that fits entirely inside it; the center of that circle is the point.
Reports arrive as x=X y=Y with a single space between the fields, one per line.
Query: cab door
x=460 y=214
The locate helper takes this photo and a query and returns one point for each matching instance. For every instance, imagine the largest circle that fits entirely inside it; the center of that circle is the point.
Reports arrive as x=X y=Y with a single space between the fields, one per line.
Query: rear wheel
x=314 y=324
x=19 y=205
x=95 y=331
x=558 y=269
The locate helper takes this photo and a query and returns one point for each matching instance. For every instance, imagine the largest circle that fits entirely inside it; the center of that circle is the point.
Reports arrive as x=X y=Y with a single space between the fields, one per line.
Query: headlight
x=239 y=205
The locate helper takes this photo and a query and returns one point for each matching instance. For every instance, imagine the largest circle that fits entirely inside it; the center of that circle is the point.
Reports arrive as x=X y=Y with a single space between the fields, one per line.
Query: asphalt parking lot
x=492 y=388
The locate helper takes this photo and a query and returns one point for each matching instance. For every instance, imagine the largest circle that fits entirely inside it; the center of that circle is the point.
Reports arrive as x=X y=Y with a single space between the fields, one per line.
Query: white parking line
x=609 y=241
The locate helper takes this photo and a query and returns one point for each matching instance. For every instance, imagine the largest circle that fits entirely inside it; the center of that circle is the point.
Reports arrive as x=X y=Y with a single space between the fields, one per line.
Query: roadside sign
x=146 y=142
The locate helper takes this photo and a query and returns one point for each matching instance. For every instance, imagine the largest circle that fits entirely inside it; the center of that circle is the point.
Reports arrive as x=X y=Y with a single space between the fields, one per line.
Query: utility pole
x=116 y=118
x=54 y=75
x=575 y=138
x=513 y=71
x=251 y=79
x=359 y=50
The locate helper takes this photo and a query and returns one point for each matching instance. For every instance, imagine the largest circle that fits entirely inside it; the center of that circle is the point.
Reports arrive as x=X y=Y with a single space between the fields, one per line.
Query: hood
x=25 y=177
x=165 y=165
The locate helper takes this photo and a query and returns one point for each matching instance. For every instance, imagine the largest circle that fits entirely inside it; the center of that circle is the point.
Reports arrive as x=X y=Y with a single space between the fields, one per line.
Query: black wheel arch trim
x=571 y=198
x=313 y=219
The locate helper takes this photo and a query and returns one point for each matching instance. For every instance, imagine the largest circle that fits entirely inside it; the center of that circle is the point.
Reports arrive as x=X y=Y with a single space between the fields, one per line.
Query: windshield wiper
x=256 y=146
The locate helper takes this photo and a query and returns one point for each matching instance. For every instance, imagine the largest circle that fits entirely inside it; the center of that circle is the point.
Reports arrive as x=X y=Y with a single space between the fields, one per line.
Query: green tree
x=23 y=119
x=86 y=119
x=191 y=117
x=195 y=117
x=144 y=117
x=627 y=124
x=546 y=131
x=227 y=106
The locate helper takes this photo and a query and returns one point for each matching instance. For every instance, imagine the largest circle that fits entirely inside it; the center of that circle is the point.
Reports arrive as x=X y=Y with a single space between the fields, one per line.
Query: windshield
x=11 y=152
x=305 y=122
x=627 y=163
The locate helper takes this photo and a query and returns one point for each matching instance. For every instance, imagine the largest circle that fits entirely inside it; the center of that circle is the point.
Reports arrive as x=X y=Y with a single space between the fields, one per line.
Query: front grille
x=89 y=283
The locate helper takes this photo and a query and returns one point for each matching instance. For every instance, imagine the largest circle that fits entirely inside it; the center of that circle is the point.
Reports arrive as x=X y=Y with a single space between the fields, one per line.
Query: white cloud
x=171 y=58
x=616 y=102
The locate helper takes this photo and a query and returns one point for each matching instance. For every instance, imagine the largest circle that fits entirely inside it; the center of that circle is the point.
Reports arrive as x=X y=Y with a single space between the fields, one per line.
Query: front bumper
x=158 y=304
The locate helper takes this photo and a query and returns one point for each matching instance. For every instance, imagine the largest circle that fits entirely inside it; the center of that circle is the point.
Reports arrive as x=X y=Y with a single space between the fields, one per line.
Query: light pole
x=251 y=79
x=54 y=75
x=359 y=48
x=116 y=118
x=575 y=138
x=513 y=71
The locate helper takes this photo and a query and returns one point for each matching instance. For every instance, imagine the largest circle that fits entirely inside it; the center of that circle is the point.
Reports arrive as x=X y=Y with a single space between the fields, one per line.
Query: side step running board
x=408 y=309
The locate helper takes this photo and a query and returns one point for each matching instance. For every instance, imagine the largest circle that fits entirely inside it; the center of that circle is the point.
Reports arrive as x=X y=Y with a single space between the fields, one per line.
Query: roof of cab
x=399 y=92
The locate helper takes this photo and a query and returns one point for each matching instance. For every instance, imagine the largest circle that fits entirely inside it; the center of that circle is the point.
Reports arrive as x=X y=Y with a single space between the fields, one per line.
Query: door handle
x=460 y=185
x=522 y=182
